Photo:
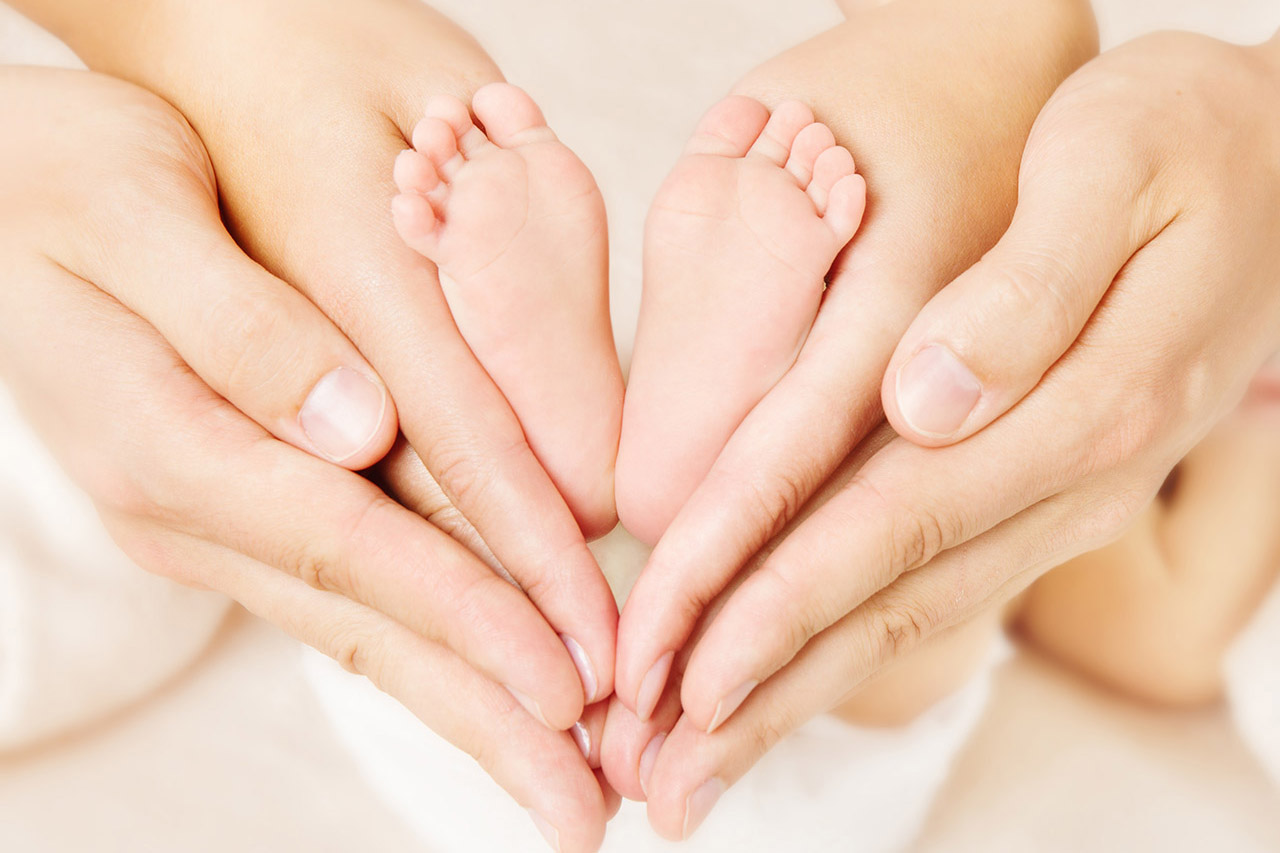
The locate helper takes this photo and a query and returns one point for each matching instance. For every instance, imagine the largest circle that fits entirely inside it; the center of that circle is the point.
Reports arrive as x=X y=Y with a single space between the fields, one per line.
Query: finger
x=242 y=490
x=387 y=298
x=612 y=800
x=427 y=581
x=990 y=336
x=694 y=767
x=542 y=770
x=252 y=338
x=784 y=450
x=404 y=477
x=630 y=746
x=589 y=730
x=798 y=434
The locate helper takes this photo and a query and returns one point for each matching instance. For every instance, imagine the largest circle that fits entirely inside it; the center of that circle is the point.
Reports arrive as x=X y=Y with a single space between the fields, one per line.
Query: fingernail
x=529 y=705
x=651 y=686
x=585 y=670
x=342 y=413
x=700 y=804
x=648 y=758
x=936 y=392
x=730 y=703
x=582 y=737
x=548 y=831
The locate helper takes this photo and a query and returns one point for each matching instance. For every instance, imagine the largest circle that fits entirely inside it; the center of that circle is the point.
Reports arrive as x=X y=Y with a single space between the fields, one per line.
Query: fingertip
x=349 y=418
x=930 y=398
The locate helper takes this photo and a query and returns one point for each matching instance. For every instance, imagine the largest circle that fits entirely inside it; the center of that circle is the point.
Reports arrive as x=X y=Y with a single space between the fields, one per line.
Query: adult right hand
x=135 y=334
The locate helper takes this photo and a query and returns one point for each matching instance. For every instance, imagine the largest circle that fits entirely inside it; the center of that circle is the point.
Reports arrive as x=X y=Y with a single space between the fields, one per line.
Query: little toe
x=414 y=173
x=510 y=117
x=415 y=221
x=810 y=143
x=846 y=204
x=832 y=165
x=436 y=140
x=455 y=114
x=729 y=128
x=788 y=119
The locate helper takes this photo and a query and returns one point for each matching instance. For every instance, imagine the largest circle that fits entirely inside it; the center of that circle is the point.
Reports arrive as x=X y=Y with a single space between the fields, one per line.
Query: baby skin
x=738 y=245
x=515 y=224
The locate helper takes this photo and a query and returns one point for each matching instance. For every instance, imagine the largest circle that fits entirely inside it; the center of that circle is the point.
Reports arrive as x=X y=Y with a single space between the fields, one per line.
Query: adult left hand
x=1123 y=313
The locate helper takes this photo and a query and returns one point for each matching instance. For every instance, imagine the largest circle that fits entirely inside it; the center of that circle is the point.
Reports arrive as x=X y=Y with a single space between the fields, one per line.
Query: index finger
x=387 y=299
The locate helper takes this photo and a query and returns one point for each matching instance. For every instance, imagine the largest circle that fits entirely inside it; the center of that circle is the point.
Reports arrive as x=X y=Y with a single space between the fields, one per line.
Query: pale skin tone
x=305 y=187
x=98 y=173
x=519 y=493
x=738 y=244
x=1153 y=614
x=1148 y=182
x=516 y=225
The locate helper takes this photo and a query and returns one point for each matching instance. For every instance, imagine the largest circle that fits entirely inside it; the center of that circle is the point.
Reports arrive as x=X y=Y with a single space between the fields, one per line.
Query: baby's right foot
x=737 y=248
x=516 y=225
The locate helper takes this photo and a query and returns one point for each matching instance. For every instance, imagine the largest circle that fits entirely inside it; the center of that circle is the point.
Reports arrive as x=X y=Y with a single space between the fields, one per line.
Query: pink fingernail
x=648 y=758
x=700 y=804
x=936 y=392
x=529 y=705
x=730 y=703
x=651 y=686
x=342 y=413
x=586 y=671
x=582 y=738
x=549 y=832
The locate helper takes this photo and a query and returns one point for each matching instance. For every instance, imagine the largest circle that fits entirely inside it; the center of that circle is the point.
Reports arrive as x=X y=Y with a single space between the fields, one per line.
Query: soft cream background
x=236 y=755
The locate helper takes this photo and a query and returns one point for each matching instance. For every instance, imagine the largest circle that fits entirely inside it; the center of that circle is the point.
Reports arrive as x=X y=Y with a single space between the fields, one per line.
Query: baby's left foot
x=516 y=225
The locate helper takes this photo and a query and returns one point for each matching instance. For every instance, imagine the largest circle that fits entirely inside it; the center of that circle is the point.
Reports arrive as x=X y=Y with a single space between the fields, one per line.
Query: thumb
x=255 y=340
x=986 y=340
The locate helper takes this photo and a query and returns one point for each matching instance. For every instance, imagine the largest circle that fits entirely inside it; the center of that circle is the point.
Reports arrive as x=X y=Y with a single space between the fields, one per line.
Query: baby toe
x=846 y=204
x=510 y=117
x=729 y=128
x=774 y=142
x=457 y=116
x=415 y=222
x=435 y=139
x=831 y=165
x=810 y=143
x=413 y=173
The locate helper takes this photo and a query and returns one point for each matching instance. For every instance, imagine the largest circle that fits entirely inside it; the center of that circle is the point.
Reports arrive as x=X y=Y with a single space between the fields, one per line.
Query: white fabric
x=1252 y=674
x=834 y=785
x=83 y=631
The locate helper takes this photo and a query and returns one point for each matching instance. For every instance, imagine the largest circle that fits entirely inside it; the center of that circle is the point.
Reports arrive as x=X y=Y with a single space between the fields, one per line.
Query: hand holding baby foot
x=737 y=249
x=516 y=225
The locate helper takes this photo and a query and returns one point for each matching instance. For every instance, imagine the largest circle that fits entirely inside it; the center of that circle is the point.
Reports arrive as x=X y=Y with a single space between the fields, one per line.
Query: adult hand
x=106 y=198
x=1140 y=275
x=303 y=108
x=909 y=79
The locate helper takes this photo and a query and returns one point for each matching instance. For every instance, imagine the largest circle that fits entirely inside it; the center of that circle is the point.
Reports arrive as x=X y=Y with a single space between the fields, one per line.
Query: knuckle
x=768 y=731
x=900 y=627
x=331 y=571
x=916 y=537
x=467 y=473
x=246 y=330
x=803 y=616
x=1030 y=286
x=1112 y=515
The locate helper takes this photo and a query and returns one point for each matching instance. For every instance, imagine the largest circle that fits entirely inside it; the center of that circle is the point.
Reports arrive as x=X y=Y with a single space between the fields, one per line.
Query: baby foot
x=516 y=225
x=737 y=247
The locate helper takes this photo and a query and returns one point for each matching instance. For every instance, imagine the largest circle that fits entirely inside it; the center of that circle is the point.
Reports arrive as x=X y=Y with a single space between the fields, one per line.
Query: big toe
x=729 y=128
x=509 y=115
